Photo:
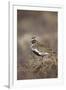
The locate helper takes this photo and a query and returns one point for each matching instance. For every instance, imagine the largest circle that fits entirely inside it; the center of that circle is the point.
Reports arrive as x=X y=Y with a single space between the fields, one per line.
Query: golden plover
x=37 y=48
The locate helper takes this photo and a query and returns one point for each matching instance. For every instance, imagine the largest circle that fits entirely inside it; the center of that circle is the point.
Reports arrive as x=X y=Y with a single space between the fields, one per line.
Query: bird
x=38 y=49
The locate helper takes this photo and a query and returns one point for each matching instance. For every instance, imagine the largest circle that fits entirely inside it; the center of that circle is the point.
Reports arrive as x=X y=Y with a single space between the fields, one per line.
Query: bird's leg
x=46 y=57
x=41 y=59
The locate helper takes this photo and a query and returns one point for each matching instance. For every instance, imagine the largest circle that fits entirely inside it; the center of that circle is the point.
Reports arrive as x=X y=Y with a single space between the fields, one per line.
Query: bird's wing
x=43 y=48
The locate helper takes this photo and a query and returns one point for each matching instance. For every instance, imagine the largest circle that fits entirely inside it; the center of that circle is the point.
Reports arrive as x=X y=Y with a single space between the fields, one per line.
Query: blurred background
x=43 y=25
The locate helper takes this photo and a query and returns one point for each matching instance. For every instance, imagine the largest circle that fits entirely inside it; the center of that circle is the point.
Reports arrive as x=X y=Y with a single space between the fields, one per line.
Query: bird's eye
x=33 y=41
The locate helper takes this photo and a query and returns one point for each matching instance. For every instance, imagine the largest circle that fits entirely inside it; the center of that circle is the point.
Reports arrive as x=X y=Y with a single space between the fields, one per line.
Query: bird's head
x=33 y=40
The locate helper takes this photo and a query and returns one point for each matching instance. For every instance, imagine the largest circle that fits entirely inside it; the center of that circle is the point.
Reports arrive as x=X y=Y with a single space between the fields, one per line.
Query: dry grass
x=46 y=68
